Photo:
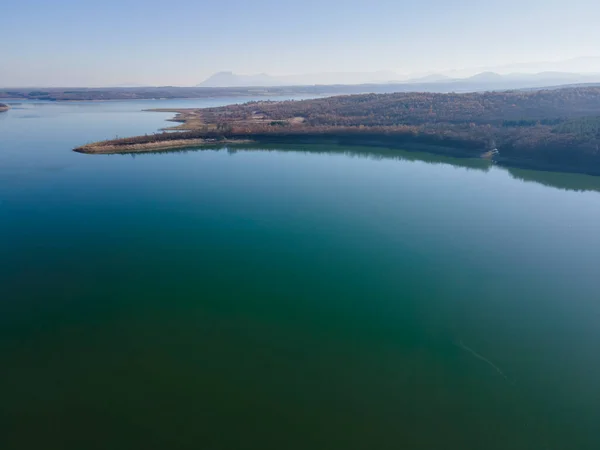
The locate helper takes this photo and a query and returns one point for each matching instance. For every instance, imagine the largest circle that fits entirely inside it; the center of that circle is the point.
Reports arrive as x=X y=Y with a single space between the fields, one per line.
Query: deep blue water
x=288 y=297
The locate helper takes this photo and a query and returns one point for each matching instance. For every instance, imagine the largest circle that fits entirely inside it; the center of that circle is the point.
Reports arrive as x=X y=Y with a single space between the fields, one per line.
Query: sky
x=156 y=42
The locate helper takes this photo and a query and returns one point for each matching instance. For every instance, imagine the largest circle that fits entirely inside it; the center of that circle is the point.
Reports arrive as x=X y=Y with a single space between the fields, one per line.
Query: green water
x=288 y=298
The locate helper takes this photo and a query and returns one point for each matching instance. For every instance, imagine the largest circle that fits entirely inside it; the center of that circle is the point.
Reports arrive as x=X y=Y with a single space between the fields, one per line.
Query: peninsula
x=544 y=129
x=4 y=107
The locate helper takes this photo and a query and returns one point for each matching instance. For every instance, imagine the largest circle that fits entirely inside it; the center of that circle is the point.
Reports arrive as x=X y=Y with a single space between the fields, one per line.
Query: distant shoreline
x=306 y=90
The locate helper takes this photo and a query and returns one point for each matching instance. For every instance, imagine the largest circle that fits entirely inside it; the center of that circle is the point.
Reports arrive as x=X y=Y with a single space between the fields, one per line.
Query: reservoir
x=288 y=297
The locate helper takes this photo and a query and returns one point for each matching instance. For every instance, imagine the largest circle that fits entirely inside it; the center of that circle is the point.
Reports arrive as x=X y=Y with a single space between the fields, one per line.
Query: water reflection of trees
x=559 y=180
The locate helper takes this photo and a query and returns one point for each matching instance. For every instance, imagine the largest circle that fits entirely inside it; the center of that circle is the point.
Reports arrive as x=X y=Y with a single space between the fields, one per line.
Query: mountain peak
x=486 y=76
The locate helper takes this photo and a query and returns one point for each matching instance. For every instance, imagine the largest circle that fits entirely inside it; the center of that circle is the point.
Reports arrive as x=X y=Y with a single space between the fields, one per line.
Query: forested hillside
x=496 y=108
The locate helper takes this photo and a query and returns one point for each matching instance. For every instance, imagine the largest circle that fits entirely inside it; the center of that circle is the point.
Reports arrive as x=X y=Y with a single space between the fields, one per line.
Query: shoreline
x=101 y=148
x=116 y=147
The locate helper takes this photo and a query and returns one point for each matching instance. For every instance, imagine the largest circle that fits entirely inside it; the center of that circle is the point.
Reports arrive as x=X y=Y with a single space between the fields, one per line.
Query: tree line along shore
x=543 y=129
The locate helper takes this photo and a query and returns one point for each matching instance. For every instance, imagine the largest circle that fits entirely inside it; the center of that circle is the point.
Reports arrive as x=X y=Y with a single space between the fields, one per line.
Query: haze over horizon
x=67 y=43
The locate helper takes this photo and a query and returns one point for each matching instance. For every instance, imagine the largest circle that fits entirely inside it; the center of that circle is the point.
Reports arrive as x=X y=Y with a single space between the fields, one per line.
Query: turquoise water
x=294 y=297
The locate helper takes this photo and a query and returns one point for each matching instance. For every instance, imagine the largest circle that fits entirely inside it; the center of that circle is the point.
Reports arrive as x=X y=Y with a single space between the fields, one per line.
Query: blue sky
x=77 y=43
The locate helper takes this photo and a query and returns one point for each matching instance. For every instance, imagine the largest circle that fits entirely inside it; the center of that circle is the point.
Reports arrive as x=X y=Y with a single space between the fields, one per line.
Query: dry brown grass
x=107 y=148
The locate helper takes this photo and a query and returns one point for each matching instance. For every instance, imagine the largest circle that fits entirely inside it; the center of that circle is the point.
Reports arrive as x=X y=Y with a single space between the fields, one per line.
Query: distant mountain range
x=581 y=65
x=435 y=82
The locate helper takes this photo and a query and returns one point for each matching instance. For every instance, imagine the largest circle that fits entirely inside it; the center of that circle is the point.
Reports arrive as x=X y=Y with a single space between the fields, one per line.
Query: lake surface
x=294 y=297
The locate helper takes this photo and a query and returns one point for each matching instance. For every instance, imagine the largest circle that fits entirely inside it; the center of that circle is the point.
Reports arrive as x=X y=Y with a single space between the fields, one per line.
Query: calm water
x=288 y=298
